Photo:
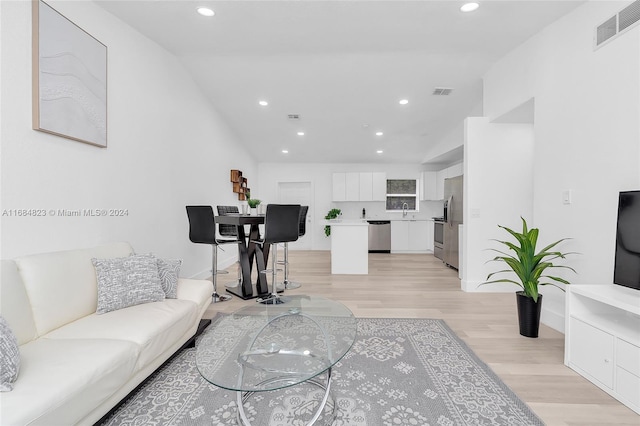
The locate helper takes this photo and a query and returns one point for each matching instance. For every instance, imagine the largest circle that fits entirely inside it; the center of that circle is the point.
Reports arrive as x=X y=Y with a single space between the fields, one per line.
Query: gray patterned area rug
x=398 y=372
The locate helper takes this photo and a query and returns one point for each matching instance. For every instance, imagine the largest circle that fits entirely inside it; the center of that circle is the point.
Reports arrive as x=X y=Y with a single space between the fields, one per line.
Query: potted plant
x=332 y=214
x=529 y=268
x=253 y=203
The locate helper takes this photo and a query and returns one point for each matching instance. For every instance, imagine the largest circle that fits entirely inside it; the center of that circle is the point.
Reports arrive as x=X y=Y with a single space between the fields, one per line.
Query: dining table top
x=240 y=219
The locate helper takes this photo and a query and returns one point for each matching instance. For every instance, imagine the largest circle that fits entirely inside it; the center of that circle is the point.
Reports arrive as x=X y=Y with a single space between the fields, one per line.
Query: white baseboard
x=553 y=319
x=222 y=264
x=475 y=287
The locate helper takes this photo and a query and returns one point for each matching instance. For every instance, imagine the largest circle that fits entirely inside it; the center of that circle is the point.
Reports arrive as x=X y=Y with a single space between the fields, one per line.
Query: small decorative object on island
x=253 y=204
x=333 y=213
x=529 y=266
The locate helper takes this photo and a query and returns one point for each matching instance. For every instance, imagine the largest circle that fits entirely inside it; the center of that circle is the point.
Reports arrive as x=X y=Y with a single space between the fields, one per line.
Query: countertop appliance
x=379 y=236
x=438 y=237
x=452 y=218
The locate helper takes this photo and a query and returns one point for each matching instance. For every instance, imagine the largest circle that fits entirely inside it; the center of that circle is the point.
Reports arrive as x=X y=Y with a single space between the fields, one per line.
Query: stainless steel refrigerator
x=452 y=218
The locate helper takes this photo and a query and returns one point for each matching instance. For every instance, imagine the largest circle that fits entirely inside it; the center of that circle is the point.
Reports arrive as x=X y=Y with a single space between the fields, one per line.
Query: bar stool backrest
x=202 y=227
x=227 y=230
x=281 y=223
x=302 y=227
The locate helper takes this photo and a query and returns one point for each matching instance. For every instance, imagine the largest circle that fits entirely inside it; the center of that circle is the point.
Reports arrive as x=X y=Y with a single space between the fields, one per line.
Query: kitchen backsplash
x=376 y=210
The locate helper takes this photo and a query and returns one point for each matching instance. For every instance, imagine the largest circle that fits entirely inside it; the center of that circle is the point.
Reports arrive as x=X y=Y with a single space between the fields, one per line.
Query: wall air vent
x=616 y=25
x=606 y=30
x=293 y=116
x=628 y=16
x=444 y=91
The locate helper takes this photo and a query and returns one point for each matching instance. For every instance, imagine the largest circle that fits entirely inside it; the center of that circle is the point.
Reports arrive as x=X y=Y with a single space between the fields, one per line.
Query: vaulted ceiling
x=341 y=66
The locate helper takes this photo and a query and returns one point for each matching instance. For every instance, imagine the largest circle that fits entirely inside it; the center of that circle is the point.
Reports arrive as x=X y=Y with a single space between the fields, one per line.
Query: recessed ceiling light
x=205 y=11
x=285 y=151
x=300 y=133
x=263 y=103
x=469 y=7
x=403 y=101
x=379 y=151
x=379 y=133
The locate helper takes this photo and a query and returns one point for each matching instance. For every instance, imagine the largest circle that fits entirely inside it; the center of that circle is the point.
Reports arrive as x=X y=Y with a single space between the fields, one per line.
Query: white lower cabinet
x=592 y=351
x=409 y=236
x=602 y=339
x=399 y=236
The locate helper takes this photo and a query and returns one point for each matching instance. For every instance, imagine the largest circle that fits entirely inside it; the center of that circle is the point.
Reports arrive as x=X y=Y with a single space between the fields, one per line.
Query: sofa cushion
x=64 y=278
x=59 y=379
x=198 y=291
x=14 y=303
x=9 y=357
x=127 y=281
x=168 y=270
x=154 y=327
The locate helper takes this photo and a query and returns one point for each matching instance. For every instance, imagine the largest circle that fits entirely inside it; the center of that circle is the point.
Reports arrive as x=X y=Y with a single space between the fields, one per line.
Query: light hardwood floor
x=420 y=286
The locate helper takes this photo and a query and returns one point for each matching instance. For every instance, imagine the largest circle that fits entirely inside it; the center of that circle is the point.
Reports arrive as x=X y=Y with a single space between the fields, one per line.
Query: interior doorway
x=299 y=193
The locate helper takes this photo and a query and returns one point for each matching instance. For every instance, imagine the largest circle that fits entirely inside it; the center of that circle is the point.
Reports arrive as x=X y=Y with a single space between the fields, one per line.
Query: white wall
x=498 y=190
x=167 y=147
x=587 y=134
x=320 y=176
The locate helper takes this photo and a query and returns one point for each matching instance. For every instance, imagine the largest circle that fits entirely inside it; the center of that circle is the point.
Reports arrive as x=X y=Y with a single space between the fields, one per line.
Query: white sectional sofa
x=75 y=364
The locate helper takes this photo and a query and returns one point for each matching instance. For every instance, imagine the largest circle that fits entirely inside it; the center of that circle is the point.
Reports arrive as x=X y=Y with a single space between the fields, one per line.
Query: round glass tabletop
x=267 y=347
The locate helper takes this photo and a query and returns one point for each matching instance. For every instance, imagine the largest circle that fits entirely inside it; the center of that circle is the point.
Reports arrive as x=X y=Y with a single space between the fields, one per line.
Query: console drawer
x=628 y=386
x=628 y=357
x=592 y=351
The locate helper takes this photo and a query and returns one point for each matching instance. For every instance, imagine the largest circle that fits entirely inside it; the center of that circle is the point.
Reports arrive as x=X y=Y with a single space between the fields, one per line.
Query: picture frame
x=69 y=78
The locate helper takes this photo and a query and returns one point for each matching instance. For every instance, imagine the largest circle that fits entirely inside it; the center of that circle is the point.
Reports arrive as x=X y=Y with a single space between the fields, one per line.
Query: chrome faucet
x=405 y=208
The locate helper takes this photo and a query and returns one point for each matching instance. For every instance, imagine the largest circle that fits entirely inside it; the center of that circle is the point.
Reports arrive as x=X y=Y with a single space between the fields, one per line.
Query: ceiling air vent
x=293 y=116
x=617 y=24
x=443 y=91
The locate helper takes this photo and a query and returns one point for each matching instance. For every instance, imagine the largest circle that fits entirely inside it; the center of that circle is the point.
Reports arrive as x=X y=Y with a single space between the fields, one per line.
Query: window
x=401 y=191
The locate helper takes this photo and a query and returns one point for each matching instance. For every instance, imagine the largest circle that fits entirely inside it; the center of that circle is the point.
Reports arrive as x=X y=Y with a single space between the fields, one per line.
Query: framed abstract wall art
x=69 y=78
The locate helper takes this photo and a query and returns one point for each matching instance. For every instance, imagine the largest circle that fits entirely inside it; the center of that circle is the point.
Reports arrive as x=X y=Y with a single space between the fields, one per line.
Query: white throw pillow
x=127 y=281
x=9 y=357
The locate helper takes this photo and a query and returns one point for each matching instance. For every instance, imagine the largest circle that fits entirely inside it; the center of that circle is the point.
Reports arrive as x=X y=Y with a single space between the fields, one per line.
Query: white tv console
x=602 y=338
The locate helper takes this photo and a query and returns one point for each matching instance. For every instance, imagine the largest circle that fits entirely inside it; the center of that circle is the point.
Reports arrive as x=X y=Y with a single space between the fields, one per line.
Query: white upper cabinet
x=453 y=171
x=363 y=186
x=379 y=186
x=366 y=187
x=429 y=185
x=353 y=187
x=339 y=187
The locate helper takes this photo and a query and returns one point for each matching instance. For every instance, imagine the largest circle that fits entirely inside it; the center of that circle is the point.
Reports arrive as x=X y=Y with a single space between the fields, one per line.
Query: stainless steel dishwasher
x=379 y=236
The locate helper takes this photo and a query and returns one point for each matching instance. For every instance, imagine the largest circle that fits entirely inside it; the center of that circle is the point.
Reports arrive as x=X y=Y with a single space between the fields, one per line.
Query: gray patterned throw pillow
x=127 y=281
x=168 y=270
x=9 y=357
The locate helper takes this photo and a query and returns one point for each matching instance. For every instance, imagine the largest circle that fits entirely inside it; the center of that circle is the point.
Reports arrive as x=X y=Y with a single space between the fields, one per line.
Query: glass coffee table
x=270 y=347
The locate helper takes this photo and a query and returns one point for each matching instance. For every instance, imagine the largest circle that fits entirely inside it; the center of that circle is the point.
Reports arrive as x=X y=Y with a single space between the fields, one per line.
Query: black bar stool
x=230 y=231
x=281 y=225
x=202 y=230
x=302 y=229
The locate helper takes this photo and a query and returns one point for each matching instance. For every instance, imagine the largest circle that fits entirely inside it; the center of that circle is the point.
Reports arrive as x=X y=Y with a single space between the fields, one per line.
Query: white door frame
x=307 y=244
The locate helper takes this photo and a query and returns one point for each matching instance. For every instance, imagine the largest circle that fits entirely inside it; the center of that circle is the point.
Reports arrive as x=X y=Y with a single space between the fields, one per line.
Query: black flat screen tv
x=626 y=271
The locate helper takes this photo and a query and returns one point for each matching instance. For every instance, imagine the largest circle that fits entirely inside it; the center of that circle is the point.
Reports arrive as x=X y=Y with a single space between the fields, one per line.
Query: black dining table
x=248 y=255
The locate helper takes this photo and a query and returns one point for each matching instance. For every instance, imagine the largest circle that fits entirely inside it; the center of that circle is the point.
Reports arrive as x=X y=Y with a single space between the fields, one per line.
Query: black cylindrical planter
x=528 y=314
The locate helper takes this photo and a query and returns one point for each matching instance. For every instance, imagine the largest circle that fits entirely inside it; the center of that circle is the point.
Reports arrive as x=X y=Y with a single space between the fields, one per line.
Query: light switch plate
x=566 y=197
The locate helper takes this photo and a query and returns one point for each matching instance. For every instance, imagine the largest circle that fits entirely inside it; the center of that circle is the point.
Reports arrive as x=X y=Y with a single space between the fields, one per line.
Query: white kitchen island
x=349 y=246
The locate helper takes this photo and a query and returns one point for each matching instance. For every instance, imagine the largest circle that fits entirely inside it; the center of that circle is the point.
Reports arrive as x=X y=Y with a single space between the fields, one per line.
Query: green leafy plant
x=333 y=213
x=253 y=202
x=528 y=265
